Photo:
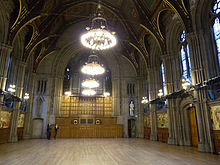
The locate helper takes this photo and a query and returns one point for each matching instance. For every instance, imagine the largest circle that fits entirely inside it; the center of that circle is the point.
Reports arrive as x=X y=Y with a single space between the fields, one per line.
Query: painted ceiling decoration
x=49 y=19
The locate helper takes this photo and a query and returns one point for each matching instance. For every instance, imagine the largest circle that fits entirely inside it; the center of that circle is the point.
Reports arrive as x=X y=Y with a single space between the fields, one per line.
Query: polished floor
x=88 y=151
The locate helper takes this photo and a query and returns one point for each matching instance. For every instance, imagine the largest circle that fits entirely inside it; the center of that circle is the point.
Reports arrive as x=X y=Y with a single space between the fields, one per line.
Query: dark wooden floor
x=94 y=151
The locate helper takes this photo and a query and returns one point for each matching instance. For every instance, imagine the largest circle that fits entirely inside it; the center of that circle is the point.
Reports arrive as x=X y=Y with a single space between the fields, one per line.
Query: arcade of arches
x=161 y=45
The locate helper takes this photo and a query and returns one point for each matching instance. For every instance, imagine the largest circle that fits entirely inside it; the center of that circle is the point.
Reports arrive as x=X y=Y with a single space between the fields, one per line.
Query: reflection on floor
x=94 y=151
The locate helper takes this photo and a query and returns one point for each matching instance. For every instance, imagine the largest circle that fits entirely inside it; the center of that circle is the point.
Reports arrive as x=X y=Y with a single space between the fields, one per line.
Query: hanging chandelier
x=90 y=83
x=92 y=67
x=98 y=37
x=88 y=92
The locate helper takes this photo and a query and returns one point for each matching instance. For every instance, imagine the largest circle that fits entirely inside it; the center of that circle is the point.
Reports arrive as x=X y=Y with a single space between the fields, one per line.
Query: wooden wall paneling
x=20 y=133
x=216 y=136
x=147 y=132
x=4 y=133
x=162 y=134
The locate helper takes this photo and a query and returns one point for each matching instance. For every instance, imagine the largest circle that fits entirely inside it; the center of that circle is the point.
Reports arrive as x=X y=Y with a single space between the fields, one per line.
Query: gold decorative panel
x=215 y=116
x=5 y=118
x=81 y=105
x=162 y=120
x=147 y=121
x=21 y=120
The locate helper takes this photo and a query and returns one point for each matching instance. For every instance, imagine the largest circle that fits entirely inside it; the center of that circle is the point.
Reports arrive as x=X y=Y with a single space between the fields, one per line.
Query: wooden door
x=193 y=126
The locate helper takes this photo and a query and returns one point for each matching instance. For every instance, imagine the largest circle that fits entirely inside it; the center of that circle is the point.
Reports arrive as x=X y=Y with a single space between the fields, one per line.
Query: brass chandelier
x=98 y=37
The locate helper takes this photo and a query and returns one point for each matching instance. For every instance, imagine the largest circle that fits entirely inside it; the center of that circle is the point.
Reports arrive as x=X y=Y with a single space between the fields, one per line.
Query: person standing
x=55 y=128
x=48 y=131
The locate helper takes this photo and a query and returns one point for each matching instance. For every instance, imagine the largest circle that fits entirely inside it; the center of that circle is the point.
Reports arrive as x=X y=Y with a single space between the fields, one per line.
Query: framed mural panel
x=215 y=117
x=162 y=120
x=5 y=118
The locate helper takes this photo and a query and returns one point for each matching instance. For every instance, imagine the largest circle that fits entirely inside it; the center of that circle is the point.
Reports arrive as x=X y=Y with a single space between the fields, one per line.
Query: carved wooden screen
x=81 y=105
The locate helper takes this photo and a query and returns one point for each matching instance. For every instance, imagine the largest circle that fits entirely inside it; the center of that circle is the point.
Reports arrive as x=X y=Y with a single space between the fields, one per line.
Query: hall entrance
x=193 y=126
x=131 y=128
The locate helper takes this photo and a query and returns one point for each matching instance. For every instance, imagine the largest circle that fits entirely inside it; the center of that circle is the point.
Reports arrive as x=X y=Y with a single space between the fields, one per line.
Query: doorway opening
x=131 y=128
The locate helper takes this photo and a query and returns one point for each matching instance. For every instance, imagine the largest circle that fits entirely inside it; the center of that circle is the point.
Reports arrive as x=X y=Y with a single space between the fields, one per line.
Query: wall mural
x=5 y=118
x=147 y=121
x=162 y=120
x=215 y=117
x=21 y=120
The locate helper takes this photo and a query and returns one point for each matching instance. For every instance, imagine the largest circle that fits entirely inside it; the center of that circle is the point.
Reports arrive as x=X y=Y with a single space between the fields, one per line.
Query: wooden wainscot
x=89 y=127
x=147 y=132
x=216 y=136
x=4 y=134
x=162 y=134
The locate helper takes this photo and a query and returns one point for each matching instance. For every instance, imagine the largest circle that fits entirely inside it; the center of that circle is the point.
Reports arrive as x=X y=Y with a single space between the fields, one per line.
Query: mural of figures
x=21 y=120
x=162 y=120
x=215 y=117
x=131 y=107
x=5 y=118
x=147 y=121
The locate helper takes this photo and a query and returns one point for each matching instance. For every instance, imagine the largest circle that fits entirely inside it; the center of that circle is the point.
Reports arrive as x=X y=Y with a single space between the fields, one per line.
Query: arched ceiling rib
x=51 y=18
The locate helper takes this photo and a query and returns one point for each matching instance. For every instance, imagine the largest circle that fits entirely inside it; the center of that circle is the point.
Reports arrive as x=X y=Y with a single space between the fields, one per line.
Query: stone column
x=152 y=95
x=116 y=96
x=140 y=110
x=19 y=82
x=27 y=133
x=198 y=65
x=169 y=67
x=5 y=52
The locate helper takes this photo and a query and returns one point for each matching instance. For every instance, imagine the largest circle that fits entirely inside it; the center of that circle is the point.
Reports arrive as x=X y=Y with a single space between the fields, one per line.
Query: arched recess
x=39 y=107
x=164 y=20
x=200 y=15
x=20 y=41
x=184 y=132
x=15 y=15
x=6 y=8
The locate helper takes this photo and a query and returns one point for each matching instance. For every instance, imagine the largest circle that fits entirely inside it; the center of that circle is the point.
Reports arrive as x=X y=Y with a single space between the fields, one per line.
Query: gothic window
x=216 y=7
x=163 y=77
x=185 y=58
x=216 y=26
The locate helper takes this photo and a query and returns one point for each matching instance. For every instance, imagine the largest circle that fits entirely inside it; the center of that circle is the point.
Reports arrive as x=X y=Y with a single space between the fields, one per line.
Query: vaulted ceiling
x=47 y=20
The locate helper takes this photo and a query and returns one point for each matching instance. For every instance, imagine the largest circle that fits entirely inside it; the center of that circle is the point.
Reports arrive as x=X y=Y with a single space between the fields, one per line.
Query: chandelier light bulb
x=90 y=83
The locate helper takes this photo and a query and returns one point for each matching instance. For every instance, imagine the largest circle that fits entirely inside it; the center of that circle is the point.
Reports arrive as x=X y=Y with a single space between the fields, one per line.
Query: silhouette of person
x=55 y=128
x=48 y=131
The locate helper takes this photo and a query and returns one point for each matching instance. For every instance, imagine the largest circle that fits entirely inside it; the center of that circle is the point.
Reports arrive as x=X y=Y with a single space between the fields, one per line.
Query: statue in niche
x=131 y=108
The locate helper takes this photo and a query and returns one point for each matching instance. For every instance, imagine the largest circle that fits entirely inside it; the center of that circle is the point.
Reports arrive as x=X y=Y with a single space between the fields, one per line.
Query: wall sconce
x=26 y=96
x=144 y=100
x=160 y=93
x=11 y=88
x=185 y=83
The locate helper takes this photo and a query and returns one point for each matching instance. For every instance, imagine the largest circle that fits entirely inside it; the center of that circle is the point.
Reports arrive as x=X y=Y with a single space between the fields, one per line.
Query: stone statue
x=131 y=107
